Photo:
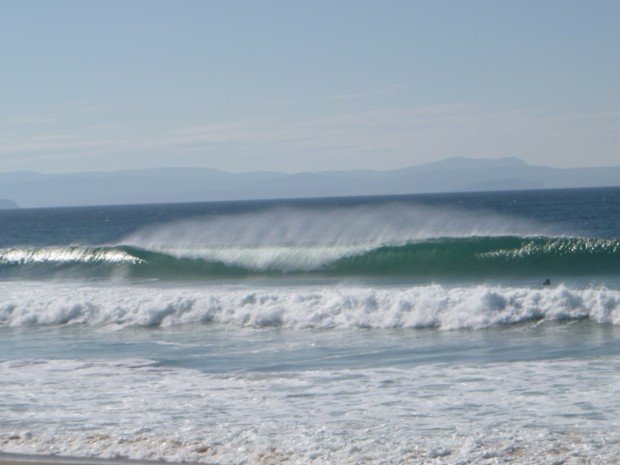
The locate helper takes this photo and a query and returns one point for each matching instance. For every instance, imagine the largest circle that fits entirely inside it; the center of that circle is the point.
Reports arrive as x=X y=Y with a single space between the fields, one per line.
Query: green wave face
x=487 y=256
x=450 y=257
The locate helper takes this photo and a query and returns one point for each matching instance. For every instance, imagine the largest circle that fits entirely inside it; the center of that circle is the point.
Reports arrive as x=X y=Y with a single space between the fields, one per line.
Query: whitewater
x=412 y=329
x=432 y=306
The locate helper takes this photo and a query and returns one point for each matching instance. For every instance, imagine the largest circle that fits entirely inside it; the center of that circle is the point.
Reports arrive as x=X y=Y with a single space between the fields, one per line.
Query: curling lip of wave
x=454 y=257
x=65 y=254
x=431 y=306
x=293 y=258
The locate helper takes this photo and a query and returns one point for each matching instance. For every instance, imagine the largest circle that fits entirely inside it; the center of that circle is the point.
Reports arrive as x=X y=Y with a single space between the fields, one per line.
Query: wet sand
x=19 y=459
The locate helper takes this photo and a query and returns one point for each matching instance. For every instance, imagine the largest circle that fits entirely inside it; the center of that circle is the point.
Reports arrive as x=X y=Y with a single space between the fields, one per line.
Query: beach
x=23 y=459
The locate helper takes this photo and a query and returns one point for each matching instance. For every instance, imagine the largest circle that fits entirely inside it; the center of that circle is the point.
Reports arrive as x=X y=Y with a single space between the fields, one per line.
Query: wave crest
x=463 y=258
x=67 y=254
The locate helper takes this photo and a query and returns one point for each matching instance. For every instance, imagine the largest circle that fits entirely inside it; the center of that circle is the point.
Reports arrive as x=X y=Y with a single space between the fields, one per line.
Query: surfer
x=546 y=282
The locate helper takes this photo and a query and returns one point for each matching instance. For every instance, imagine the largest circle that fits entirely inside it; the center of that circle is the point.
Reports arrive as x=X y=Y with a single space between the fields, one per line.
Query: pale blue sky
x=318 y=85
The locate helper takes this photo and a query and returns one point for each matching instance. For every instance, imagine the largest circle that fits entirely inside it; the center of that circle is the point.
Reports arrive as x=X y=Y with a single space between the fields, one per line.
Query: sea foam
x=530 y=412
x=430 y=306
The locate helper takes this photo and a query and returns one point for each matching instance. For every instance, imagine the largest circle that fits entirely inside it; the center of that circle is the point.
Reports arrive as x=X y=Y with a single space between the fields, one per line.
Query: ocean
x=371 y=330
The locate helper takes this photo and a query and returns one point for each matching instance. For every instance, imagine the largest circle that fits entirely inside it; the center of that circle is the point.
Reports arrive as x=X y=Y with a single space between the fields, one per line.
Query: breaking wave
x=432 y=306
x=459 y=257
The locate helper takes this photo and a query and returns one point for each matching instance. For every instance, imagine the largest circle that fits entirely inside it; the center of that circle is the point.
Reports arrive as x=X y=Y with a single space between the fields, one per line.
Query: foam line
x=433 y=306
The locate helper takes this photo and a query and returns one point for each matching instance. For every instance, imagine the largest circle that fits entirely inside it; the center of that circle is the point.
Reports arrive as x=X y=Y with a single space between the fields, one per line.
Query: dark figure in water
x=546 y=282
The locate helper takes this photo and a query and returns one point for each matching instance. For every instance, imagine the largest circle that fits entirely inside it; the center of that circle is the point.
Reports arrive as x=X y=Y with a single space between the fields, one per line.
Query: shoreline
x=28 y=459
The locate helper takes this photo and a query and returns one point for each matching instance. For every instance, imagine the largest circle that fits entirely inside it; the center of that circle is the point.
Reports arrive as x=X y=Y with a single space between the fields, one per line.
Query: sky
x=306 y=86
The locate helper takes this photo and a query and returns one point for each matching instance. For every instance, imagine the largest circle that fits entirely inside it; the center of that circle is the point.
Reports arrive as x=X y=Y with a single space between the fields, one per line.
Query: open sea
x=369 y=330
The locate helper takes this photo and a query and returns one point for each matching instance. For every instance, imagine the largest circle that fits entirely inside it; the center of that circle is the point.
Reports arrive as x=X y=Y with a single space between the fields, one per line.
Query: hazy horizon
x=377 y=170
x=162 y=185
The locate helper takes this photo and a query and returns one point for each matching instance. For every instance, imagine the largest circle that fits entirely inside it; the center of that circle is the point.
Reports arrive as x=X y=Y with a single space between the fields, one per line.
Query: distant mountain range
x=30 y=189
x=6 y=204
